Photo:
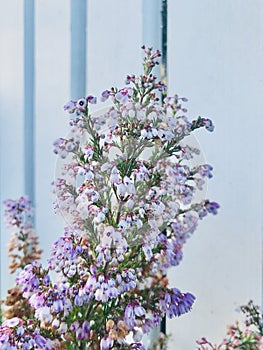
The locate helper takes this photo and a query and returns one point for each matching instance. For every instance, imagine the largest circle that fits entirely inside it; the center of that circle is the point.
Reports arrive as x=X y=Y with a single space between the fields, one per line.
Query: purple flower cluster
x=176 y=303
x=82 y=331
x=19 y=213
x=31 y=278
x=79 y=106
x=15 y=334
x=65 y=254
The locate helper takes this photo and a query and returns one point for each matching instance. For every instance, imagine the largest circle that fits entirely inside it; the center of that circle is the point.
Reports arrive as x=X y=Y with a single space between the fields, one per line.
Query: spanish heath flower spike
x=129 y=191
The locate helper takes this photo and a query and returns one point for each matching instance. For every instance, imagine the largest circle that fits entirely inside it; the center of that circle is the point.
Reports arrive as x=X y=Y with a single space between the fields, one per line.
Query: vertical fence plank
x=78 y=48
x=164 y=78
x=29 y=99
x=152 y=26
x=155 y=35
x=152 y=23
x=164 y=48
x=163 y=72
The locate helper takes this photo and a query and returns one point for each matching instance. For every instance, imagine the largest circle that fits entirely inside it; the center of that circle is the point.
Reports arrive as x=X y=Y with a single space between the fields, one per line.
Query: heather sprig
x=247 y=336
x=22 y=249
x=127 y=190
x=23 y=245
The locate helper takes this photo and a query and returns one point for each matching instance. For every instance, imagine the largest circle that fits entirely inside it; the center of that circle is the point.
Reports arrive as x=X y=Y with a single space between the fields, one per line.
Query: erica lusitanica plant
x=127 y=189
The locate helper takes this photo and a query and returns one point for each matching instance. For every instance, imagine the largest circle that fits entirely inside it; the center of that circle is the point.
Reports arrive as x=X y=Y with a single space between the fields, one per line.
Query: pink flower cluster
x=248 y=336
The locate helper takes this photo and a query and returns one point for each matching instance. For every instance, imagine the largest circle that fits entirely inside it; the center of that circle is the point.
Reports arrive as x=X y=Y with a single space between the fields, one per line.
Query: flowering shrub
x=22 y=249
x=127 y=190
x=239 y=337
x=23 y=245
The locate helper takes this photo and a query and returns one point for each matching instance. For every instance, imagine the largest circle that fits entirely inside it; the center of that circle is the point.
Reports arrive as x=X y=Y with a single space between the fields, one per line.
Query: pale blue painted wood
x=152 y=28
x=78 y=14
x=29 y=99
x=152 y=34
x=152 y=37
